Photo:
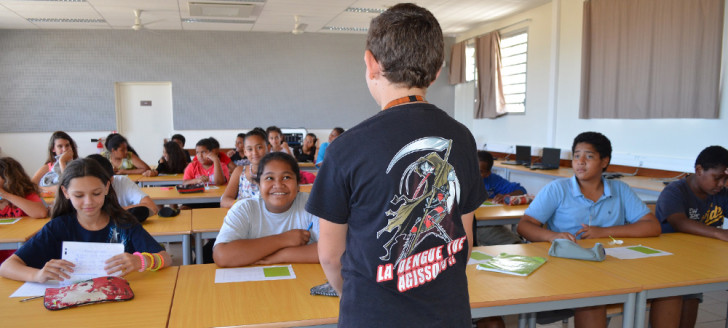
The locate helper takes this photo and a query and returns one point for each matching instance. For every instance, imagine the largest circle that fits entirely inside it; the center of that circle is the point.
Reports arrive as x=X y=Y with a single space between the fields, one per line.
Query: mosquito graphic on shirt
x=428 y=190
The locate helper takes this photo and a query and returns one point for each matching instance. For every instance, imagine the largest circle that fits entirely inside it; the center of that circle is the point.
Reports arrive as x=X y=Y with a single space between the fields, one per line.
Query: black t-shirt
x=301 y=156
x=401 y=181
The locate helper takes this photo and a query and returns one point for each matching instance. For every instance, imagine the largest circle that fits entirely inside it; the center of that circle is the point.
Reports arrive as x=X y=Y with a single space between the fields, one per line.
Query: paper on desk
x=488 y=203
x=478 y=257
x=9 y=220
x=277 y=272
x=634 y=252
x=30 y=289
x=89 y=259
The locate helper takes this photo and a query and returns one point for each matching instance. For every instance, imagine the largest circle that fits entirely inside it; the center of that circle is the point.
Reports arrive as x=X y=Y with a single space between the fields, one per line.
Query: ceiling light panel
x=43 y=9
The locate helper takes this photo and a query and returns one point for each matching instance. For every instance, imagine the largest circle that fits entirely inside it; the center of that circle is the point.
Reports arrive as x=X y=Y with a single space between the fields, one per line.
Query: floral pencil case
x=97 y=290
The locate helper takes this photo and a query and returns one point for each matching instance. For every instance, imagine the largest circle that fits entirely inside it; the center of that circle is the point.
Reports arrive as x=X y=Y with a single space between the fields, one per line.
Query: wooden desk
x=305 y=187
x=134 y=177
x=12 y=236
x=199 y=302
x=558 y=284
x=698 y=264
x=307 y=166
x=169 y=195
x=150 y=307
x=174 y=229
x=161 y=180
x=206 y=223
x=499 y=215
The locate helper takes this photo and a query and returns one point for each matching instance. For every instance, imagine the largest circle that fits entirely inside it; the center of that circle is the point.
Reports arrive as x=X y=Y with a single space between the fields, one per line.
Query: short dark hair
x=278 y=156
x=180 y=138
x=339 y=130
x=241 y=135
x=215 y=143
x=486 y=157
x=599 y=141
x=105 y=163
x=712 y=157
x=407 y=41
x=205 y=142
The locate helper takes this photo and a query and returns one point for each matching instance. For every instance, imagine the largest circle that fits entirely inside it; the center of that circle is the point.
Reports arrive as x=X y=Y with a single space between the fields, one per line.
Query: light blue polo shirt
x=563 y=208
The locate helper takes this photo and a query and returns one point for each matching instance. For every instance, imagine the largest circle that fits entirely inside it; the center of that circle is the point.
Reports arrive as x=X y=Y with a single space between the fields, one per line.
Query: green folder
x=519 y=265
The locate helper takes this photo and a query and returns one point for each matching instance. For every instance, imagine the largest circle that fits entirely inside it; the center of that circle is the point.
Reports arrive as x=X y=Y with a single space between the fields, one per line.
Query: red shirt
x=11 y=211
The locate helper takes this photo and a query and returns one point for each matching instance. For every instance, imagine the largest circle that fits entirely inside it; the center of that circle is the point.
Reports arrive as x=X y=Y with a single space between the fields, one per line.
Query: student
x=128 y=193
x=61 y=150
x=237 y=155
x=306 y=151
x=85 y=210
x=587 y=206
x=274 y=228
x=206 y=167
x=224 y=159
x=412 y=193
x=242 y=183
x=180 y=140
x=321 y=151
x=695 y=205
x=123 y=159
x=497 y=188
x=18 y=195
x=172 y=161
x=276 y=140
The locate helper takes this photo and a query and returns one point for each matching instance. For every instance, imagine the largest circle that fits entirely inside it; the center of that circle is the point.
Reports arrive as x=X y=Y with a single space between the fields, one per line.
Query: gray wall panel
x=64 y=80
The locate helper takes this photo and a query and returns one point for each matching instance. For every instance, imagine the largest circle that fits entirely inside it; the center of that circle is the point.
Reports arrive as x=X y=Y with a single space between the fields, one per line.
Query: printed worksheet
x=634 y=252
x=89 y=259
x=277 y=272
x=9 y=220
x=477 y=257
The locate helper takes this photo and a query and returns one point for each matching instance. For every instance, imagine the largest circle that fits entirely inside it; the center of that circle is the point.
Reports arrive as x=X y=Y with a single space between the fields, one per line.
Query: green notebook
x=519 y=265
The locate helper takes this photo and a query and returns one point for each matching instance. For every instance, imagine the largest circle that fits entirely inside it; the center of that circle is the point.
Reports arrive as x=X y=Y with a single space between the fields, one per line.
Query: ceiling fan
x=299 y=27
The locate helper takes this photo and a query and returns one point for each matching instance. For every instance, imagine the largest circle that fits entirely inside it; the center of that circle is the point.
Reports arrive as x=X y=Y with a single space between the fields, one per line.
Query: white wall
x=670 y=144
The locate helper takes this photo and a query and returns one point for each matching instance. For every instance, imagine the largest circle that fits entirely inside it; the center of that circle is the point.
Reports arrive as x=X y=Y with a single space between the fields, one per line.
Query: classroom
x=222 y=80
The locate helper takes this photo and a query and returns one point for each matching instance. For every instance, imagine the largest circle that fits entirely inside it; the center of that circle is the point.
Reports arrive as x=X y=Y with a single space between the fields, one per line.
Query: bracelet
x=161 y=261
x=151 y=260
x=141 y=257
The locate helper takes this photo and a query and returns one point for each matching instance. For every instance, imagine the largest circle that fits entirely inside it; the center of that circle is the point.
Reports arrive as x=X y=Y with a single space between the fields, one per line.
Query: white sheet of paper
x=251 y=274
x=30 y=289
x=625 y=253
x=89 y=259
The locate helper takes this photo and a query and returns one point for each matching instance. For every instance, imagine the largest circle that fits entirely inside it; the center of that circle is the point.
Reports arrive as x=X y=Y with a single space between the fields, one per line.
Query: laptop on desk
x=549 y=161
x=523 y=156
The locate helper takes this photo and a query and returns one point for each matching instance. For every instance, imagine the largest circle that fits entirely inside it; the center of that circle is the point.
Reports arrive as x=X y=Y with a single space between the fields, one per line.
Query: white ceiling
x=455 y=16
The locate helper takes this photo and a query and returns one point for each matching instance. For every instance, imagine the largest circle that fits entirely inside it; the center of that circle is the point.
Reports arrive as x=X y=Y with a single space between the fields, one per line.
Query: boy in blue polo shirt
x=588 y=206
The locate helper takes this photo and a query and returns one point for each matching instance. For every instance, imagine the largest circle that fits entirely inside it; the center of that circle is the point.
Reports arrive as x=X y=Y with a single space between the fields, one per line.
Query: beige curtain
x=457 y=63
x=490 y=102
x=651 y=58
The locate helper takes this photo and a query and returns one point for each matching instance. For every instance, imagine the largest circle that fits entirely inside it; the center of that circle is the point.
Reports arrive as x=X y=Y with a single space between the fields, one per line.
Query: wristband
x=161 y=262
x=150 y=261
x=141 y=257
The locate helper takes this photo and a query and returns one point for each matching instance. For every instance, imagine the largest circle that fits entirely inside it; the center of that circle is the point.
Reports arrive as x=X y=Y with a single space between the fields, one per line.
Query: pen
x=30 y=298
x=310 y=225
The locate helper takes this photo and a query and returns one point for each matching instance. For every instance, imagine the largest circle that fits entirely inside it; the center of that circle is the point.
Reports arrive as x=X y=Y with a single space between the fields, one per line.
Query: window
x=471 y=70
x=514 y=47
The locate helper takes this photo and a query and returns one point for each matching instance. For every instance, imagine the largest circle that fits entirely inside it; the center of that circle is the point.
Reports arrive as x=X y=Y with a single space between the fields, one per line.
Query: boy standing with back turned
x=396 y=223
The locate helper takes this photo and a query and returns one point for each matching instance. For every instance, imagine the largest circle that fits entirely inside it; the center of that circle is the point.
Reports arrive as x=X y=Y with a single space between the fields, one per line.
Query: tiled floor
x=712 y=312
